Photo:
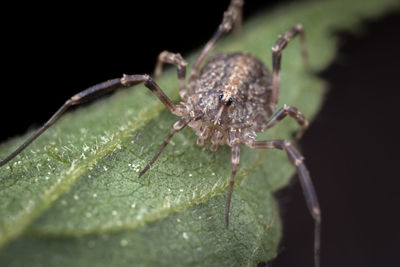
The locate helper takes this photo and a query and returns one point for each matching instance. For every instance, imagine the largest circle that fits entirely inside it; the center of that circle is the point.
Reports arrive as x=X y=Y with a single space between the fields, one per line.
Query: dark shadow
x=352 y=151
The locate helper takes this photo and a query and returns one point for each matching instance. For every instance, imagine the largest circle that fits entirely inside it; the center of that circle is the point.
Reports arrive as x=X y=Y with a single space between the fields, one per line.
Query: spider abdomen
x=232 y=92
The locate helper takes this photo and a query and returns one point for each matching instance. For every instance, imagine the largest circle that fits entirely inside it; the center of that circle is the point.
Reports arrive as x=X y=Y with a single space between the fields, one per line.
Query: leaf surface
x=73 y=198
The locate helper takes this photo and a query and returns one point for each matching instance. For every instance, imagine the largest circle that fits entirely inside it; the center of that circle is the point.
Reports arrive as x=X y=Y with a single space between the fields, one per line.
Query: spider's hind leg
x=232 y=18
x=306 y=184
x=280 y=44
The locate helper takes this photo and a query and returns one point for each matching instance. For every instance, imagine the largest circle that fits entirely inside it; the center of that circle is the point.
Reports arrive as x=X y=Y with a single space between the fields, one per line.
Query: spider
x=227 y=101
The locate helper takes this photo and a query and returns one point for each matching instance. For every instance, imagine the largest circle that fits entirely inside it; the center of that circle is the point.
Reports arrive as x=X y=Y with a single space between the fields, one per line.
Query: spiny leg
x=306 y=184
x=178 y=126
x=92 y=92
x=280 y=44
x=235 y=159
x=180 y=63
x=292 y=112
x=232 y=17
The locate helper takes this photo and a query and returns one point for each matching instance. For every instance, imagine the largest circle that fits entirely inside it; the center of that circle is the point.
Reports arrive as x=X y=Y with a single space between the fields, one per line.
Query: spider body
x=227 y=101
x=232 y=92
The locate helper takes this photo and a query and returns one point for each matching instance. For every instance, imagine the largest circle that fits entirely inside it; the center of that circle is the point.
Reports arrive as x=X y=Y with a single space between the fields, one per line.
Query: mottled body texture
x=240 y=84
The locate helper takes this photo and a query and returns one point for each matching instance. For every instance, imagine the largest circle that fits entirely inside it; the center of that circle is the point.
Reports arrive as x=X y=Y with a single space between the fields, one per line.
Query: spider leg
x=305 y=181
x=92 y=92
x=235 y=158
x=280 y=44
x=178 y=126
x=180 y=63
x=232 y=17
x=292 y=112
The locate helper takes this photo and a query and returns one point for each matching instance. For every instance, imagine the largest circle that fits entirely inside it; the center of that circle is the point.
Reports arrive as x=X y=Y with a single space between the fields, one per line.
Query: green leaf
x=73 y=198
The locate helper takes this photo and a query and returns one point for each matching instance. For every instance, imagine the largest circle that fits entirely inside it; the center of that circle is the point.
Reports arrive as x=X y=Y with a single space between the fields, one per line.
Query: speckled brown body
x=238 y=79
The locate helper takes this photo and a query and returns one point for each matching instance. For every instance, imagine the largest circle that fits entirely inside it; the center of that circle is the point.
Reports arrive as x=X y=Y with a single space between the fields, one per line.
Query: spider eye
x=221 y=97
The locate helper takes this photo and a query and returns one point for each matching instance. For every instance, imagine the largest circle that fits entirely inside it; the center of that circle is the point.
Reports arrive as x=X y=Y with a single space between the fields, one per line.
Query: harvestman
x=227 y=101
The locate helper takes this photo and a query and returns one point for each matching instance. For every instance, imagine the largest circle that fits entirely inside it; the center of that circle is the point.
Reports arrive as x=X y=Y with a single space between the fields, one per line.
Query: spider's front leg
x=93 y=92
x=177 y=127
x=180 y=63
x=292 y=112
x=305 y=181
x=235 y=159
x=234 y=142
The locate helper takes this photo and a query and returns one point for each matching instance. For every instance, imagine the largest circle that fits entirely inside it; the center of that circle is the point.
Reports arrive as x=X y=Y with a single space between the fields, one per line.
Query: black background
x=51 y=52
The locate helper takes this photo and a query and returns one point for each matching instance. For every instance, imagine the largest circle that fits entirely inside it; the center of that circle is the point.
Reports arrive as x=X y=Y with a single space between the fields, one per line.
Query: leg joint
x=299 y=27
x=128 y=80
x=172 y=58
x=148 y=81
